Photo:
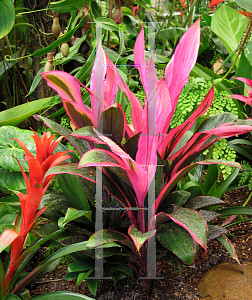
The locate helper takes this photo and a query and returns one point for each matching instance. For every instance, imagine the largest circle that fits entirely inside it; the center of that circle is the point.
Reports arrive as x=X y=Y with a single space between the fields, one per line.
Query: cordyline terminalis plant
x=150 y=149
x=36 y=186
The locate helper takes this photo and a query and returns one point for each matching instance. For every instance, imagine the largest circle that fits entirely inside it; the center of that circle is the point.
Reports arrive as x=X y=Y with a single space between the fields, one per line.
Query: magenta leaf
x=178 y=69
x=139 y=237
x=177 y=240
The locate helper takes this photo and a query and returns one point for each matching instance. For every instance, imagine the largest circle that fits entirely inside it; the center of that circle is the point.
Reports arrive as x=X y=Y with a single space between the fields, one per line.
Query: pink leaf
x=178 y=69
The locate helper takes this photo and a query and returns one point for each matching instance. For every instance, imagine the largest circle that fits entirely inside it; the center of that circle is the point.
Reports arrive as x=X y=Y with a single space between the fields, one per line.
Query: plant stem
x=190 y=13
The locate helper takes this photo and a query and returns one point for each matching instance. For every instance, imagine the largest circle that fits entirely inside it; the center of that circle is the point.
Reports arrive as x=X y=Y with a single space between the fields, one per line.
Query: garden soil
x=174 y=286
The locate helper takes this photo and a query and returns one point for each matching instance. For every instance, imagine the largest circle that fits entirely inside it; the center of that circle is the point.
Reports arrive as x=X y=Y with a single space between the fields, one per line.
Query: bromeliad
x=36 y=186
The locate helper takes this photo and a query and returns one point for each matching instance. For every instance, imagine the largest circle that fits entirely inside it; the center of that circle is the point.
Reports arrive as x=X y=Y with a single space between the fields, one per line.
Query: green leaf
x=65 y=6
x=245 y=4
x=82 y=276
x=15 y=115
x=71 y=186
x=248 y=52
x=105 y=236
x=177 y=240
x=193 y=222
x=226 y=183
x=229 y=247
x=203 y=201
x=235 y=210
x=10 y=149
x=12 y=297
x=11 y=180
x=36 y=81
x=169 y=33
x=7 y=65
x=85 y=71
x=59 y=41
x=122 y=268
x=59 y=295
x=92 y=285
x=211 y=178
x=139 y=237
x=80 y=145
x=72 y=214
x=7 y=17
x=229 y=25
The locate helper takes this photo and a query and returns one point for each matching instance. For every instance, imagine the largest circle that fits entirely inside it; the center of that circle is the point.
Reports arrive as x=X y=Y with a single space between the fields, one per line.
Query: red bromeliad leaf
x=106 y=236
x=7 y=238
x=139 y=237
x=215 y=2
x=193 y=222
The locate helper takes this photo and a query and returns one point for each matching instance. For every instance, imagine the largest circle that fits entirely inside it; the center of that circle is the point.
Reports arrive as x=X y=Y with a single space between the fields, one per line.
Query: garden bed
x=181 y=285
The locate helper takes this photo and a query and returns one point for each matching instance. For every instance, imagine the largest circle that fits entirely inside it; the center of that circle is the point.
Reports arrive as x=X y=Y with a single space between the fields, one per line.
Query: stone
x=226 y=281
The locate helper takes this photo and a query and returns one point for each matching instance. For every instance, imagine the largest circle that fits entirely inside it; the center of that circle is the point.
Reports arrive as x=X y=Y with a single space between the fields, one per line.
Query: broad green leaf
x=72 y=214
x=177 y=198
x=169 y=33
x=248 y=52
x=216 y=120
x=245 y=4
x=60 y=295
x=7 y=216
x=244 y=69
x=122 y=268
x=10 y=149
x=177 y=240
x=15 y=115
x=105 y=236
x=7 y=17
x=229 y=25
x=193 y=222
x=203 y=201
x=11 y=180
x=65 y=6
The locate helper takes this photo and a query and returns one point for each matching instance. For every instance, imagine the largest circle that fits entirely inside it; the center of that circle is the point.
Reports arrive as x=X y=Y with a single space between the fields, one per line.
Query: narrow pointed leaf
x=203 y=201
x=59 y=295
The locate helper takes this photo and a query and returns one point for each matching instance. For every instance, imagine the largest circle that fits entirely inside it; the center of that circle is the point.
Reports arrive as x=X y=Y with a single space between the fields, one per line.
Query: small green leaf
x=72 y=214
x=82 y=276
x=138 y=237
x=7 y=17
